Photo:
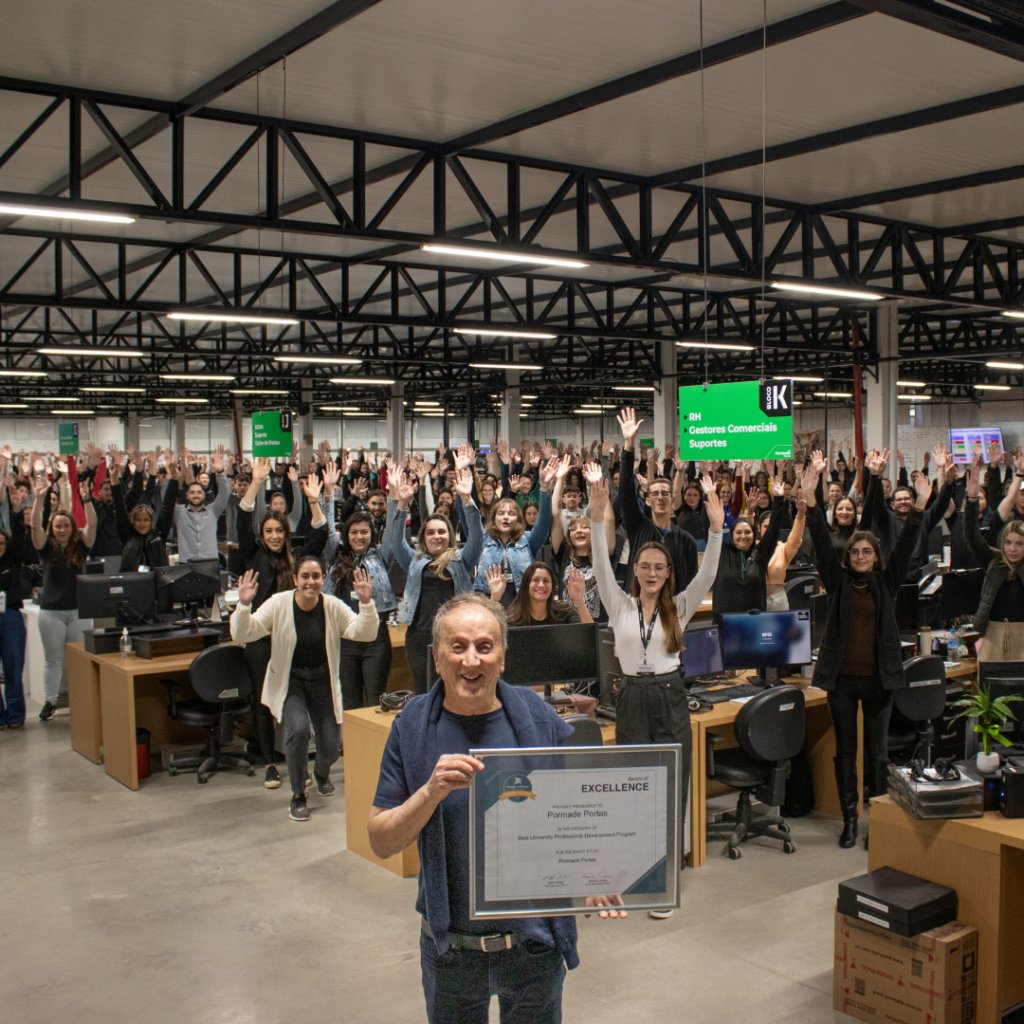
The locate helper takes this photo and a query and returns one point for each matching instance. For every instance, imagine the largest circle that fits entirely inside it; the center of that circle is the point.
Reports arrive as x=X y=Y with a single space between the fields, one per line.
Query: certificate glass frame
x=573 y=822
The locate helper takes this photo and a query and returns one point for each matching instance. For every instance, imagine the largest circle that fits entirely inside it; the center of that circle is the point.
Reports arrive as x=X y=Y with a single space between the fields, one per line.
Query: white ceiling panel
x=158 y=50
x=844 y=75
x=436 y=70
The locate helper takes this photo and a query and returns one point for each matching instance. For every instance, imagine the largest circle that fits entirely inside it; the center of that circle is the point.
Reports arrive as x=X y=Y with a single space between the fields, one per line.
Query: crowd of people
x=605 y=533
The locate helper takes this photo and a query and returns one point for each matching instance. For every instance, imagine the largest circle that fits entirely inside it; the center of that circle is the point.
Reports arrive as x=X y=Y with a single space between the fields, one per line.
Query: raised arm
x=542 y=527
x=1006 y=505
x=612 y=595
x=829 y=568
x=632 y=518
x=89 y=533
x=980 y=548
x=40 y=488
x=689 y=601
x=557 y=527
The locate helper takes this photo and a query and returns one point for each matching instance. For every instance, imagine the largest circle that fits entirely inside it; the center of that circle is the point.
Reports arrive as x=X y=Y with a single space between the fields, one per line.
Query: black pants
x=309 y=703
x=657 y=711
x=877 y=703
x=257 y=657
x=364 y=669
x=416 y=644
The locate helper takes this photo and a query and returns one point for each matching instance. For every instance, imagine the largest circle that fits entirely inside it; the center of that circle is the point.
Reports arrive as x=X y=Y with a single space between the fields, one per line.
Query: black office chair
x=770 y=731
x=220 y=678
x=915 y=707
x=800 y=589
x=586 y=732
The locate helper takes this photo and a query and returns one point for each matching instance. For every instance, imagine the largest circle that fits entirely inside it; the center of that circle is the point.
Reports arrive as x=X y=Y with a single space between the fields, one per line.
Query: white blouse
x=622 y=614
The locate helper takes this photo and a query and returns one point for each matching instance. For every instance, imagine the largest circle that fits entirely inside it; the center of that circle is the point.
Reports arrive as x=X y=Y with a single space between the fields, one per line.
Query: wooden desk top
x=987 y=833
x=135 y=666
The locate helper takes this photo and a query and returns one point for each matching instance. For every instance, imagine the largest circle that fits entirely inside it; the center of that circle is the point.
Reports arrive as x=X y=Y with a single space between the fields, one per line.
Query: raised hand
x=332 y=471
x=546 y=451
x=548 y=474
x=465 y=456
x=715 y=510
x=311 y=487
x=362 y=487
x=598 y=499
x=464 y=485
x=818 y=462
x=752 y=495
x=592 y=472
x=261 y=470
x=217 y=460
x=361 y=585
x=406 y=490
x=292 y=473
x=707 y=485
x=576 y=586
x=809 y=481
x=247 y=587
x=974 y=477
x=495 y=582
x=392 y=469
x=629 y=425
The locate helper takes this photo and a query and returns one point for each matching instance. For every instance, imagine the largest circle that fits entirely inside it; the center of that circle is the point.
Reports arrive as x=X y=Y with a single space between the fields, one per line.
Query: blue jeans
x=12 y=656
x=527 y=980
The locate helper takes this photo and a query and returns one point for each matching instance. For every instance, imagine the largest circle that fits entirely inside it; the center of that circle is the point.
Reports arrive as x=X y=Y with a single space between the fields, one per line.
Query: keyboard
x=606 y=712
x=728 y=693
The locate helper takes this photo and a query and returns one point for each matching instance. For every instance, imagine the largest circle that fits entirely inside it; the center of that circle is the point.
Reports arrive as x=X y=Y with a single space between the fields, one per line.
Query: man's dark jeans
x=527 y=980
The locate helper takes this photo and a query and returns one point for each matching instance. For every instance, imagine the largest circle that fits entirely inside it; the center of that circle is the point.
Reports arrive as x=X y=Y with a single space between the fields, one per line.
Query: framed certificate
x=551 y=826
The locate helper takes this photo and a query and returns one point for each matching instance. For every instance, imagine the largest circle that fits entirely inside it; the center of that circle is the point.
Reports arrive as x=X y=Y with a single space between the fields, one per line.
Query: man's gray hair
x=469 y=600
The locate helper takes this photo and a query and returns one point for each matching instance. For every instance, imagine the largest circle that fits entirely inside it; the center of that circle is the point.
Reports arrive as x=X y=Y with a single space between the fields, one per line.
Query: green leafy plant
x=990 y=714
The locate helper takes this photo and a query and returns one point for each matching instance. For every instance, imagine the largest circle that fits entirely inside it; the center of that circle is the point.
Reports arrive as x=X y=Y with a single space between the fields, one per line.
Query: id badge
x=353 y=596
x=508 y=577
x=645 y=670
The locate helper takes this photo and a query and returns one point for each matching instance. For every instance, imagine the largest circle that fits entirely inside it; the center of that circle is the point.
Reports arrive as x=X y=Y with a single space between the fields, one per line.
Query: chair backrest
x=586 y=732
x=770 y=726
x=220 y=674
x=924 y=696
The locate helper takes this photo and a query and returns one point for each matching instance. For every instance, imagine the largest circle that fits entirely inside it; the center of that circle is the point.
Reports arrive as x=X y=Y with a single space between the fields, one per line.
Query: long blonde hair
x=1014 y=526
x=517 y=531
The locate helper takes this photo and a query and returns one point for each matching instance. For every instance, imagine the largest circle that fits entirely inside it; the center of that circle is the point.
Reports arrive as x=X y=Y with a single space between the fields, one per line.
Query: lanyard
x=648 y=632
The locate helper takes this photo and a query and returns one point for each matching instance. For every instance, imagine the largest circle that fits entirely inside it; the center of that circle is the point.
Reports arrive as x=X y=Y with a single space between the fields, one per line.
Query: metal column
x=666 y=404
x=396 y=422
x=881 y=416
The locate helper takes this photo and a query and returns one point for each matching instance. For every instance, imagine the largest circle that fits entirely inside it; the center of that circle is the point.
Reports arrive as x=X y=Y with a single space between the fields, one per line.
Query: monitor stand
x=766 y=677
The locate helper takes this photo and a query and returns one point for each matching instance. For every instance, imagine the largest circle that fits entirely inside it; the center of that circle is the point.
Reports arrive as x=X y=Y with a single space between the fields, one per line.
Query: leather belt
x=662 y=677
x=476 y=943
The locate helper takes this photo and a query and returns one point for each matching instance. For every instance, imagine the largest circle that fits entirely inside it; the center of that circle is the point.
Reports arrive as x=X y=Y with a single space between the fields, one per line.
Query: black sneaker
x=324 y=786
x=48 y=711
x=298 y=810
x=272 y=780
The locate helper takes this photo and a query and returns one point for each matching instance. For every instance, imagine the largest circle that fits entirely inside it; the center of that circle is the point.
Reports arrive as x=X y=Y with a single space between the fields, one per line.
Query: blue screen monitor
x=702 y=652
x=763 y=639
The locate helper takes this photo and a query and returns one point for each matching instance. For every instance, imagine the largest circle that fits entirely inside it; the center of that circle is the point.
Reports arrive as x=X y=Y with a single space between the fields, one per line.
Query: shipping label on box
x=929 y=978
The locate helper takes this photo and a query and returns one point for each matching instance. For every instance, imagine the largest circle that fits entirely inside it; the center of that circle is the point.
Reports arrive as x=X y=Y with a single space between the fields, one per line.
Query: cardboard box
x=929 y=978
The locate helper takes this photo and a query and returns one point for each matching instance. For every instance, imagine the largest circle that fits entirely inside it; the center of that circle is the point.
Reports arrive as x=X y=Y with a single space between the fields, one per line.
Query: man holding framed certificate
x=423 y=796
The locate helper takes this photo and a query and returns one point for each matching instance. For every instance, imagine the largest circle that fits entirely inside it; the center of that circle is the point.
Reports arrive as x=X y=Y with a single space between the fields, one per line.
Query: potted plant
x=989 y=714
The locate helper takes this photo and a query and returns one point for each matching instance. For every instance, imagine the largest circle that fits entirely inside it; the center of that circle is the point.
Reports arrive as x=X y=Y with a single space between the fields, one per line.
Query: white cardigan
x=275 y=618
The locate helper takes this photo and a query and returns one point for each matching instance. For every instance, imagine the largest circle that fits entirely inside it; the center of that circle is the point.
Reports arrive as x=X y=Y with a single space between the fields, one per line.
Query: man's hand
x=452 y=771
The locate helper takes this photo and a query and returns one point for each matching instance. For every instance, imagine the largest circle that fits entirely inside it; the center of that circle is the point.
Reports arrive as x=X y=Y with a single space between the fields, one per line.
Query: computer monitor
x=702 y=652
x=764 y=640
x=129 y=597
x=819 y=613
x=547 y=656
x=964 y=441
x=189 y=584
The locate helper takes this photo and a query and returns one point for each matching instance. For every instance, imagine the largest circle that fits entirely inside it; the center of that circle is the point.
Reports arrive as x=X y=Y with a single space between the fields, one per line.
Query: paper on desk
x=740 y=700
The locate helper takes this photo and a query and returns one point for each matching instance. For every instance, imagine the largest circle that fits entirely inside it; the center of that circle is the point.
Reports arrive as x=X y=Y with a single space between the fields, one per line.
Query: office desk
x=983 y=859
x=399 y=677
x=110 y=696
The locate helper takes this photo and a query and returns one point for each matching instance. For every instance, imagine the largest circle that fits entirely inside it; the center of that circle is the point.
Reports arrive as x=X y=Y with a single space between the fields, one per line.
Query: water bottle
x=127 y=648
x=953 y=649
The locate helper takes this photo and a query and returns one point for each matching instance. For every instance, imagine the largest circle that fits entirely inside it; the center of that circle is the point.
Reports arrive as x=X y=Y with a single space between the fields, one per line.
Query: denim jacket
x=521 y=553
x=461 y=566
x=376 y=562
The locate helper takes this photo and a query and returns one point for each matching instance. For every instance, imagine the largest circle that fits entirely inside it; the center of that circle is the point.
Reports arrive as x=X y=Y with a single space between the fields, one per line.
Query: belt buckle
x=495 y=943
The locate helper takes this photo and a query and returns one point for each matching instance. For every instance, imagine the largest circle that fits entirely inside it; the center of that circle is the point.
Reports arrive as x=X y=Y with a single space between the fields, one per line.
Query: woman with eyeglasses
x=860 y=660
x=648 y=624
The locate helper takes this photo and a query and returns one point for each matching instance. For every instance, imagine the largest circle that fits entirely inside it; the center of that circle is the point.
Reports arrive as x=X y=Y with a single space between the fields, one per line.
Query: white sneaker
x=660 y=915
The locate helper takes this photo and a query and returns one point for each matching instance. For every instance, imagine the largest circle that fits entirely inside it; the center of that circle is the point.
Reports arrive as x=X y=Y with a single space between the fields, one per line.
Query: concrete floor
x=206 y=905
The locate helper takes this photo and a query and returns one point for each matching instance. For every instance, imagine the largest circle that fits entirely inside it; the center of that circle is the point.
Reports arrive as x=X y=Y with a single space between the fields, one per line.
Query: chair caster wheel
x=735 y=853
x=250 y=772
x=172 y=771
x=788 y=848
x=202 y=779
x=783 y=828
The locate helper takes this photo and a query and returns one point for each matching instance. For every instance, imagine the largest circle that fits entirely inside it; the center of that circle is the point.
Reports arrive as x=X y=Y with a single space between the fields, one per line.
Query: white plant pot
x=988 y=763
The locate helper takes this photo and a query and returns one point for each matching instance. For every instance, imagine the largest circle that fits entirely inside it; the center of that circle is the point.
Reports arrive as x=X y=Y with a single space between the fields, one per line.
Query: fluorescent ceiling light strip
x=22 y=373
x=1005 y=366
x=911 y=384
x=423 y=402
x=840 y=293
x=185 y=401
x=319 y=360
x=43 y=398
x=832 y=394
x=109 y=353
x=72 y=412
x=965 y=10
x=506 y=257
x=991 y=387
x=505 y=366
x=17 y=210
x=115 y=389
x=257 y=391
x=631 y=387
x=340 y=408
x=715 y=344
x=197 y=376
x=806 y=380
x=1013 y=312
x=235 y=318
x=491 y=333
x=914 y=398
x=361 y=380
x=14 y=405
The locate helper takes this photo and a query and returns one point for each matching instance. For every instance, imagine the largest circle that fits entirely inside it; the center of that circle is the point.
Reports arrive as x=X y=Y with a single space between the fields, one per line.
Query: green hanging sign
x=272 y=434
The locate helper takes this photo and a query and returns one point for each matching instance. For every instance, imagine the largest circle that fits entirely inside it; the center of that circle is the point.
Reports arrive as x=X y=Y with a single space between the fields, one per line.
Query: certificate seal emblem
x=517 y=788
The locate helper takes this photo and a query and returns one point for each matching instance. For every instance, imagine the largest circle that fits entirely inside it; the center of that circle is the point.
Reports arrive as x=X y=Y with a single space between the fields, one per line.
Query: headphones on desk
x=699 y=705
x=944 y=769
x=396 y=700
